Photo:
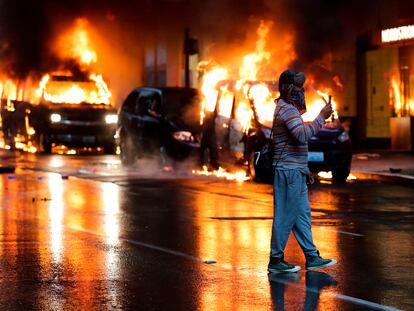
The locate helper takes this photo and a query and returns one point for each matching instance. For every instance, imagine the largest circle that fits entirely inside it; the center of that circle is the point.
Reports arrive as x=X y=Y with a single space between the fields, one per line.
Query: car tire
x=127 y=154
x=340 y=174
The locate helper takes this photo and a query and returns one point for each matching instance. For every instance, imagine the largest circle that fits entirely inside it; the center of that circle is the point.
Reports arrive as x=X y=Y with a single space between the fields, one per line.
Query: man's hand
x=327 y=111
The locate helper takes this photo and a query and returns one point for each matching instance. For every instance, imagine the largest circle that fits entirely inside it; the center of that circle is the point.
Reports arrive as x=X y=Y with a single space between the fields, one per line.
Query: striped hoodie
x=290 y=137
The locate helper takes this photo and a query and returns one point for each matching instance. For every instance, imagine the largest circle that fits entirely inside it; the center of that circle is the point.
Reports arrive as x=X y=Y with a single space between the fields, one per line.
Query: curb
x=383 y=176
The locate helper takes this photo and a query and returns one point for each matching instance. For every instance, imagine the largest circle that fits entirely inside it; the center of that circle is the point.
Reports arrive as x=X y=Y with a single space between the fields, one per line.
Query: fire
x=76 y=44
x=264 y=102
x=251 y=65
x=252 y=61
x=403 y=105
x=239 y=176
x=315 y=105
x=328 y=175
x=94 y=91
x=250 y=91
x=208 y=88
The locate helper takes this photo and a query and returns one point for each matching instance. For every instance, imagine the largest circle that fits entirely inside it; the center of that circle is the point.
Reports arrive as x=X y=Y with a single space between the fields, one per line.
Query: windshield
x=183 y=105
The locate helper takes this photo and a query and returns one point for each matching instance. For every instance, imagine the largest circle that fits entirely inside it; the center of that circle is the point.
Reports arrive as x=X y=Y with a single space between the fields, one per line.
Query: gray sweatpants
x=291 y=213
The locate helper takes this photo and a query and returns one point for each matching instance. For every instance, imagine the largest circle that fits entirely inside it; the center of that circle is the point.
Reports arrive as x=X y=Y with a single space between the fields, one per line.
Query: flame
x=238 y=176
x=244 y=114
x=263 y=102
x=76 y=44
x=252 y=61
x=94 y=91
x=208 y=89
x=402 y=105
x=328 y=175
x=315 y=105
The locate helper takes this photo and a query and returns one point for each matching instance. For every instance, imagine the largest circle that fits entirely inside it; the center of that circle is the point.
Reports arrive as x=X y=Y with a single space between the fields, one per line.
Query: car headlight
x=55 y=117
x=183 y=136
x=111 y=119
x=343 y=137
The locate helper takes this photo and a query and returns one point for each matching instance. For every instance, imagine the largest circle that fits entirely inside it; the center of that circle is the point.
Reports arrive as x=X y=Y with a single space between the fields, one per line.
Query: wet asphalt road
x=113 y=239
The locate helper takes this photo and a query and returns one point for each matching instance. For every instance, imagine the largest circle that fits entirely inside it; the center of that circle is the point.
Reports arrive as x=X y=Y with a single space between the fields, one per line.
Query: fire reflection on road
x=56 y=209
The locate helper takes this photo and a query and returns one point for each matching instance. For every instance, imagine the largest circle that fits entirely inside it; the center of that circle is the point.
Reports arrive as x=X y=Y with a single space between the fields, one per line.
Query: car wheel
x=127 y=151
x=340 y=174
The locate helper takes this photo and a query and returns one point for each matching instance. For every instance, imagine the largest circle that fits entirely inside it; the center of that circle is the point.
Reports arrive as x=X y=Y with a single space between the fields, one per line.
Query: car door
x=225 y=102
x=127 y=114
x=148 y=119
x=239 y=123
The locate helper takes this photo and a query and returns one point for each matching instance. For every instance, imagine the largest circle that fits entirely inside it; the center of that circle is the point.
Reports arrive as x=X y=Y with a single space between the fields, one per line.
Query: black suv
x=158 y=121
x=329 y=150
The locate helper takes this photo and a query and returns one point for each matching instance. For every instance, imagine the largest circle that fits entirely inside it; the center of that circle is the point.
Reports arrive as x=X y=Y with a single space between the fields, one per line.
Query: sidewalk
x=384 y=163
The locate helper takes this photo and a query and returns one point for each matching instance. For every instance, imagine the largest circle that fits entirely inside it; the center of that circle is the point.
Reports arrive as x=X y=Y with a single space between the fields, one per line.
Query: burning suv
x=242 y=121
x=159 y=121
x=68 y=110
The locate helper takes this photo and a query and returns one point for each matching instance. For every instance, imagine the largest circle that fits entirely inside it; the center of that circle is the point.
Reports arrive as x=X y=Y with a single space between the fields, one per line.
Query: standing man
x=290 y=161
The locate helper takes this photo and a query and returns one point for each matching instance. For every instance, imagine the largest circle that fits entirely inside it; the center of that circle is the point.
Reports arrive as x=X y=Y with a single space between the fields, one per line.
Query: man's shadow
x=315 y=282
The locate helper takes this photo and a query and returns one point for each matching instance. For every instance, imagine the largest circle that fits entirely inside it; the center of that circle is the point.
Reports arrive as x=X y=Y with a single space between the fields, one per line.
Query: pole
x=187 y=58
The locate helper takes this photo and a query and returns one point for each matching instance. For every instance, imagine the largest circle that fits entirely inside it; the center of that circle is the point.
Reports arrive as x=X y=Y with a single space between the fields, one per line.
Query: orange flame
x=251 y=62
x=209 y=91
x=94 y=91
x=76 y=44
x=403 y=105
x=315 y=105
x=239 y=176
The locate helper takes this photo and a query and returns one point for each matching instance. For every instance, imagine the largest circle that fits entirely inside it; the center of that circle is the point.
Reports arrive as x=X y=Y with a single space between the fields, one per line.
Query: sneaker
x=278 y=265
x=317 y=262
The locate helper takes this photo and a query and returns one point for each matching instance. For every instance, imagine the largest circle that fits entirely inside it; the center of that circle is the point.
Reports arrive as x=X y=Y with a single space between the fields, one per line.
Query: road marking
x=354 y=300
x=338 y=231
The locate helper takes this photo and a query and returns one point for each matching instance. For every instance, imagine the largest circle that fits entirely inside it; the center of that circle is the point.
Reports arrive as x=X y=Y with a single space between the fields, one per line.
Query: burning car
x=161 y=121
x=66 y=109
x=242 y=119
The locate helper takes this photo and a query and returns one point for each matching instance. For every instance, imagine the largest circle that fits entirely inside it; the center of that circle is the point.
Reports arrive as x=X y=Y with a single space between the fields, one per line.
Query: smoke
x=226 y=29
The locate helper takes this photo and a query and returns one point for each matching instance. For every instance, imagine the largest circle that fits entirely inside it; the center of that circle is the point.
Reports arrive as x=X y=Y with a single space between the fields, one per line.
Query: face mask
x=297 y=98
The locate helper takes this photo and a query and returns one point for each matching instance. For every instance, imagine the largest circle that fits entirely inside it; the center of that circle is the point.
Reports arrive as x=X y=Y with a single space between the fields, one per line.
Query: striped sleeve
x=297 y=128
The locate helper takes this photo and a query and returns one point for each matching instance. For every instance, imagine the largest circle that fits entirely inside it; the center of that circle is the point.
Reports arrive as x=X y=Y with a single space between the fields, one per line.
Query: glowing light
x=397 y=34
